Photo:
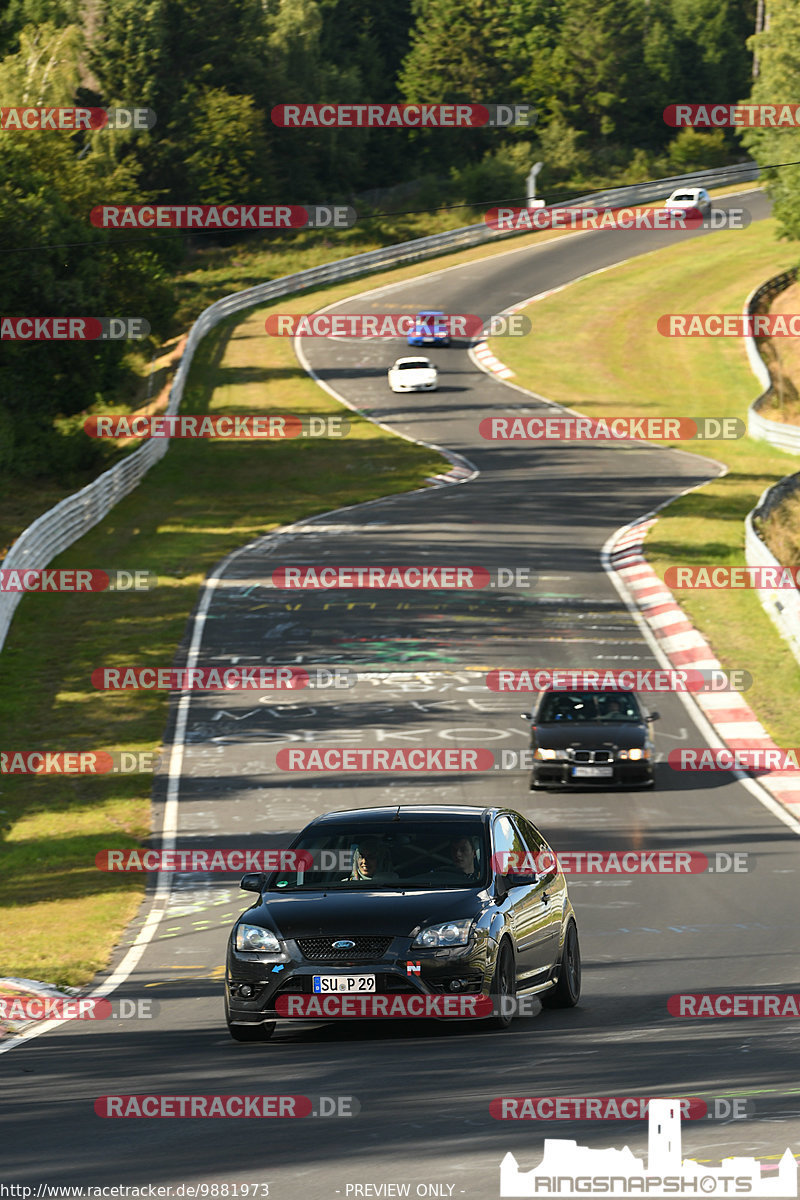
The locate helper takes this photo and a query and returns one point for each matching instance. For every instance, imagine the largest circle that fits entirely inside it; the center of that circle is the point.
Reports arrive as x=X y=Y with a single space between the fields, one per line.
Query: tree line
x=598 y=72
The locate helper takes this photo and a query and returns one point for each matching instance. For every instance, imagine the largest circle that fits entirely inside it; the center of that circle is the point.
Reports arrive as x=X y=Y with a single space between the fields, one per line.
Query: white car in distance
x=413 y=375
x=690 y=198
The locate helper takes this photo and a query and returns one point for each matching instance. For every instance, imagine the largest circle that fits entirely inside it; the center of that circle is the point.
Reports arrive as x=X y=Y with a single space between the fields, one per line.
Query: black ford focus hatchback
x=418 y=909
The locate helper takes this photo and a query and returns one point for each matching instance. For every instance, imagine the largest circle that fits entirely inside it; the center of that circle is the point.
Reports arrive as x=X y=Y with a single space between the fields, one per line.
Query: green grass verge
x=595 y=347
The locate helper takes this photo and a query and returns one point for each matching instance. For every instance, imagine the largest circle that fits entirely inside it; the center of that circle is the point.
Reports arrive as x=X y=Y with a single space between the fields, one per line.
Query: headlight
x=544 y=752
x=451 y=933
x=253 y=937
x=635 y=754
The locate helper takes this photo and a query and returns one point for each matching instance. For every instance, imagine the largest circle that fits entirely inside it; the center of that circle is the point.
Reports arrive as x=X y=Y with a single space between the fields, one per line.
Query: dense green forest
x=598 y=73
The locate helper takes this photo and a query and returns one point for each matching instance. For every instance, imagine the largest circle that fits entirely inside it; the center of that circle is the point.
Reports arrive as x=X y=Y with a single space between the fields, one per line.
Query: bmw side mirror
x=252 y=881
x=654 y=716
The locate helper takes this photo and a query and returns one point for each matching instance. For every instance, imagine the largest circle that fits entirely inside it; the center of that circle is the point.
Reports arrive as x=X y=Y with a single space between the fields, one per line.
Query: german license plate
x=344 y=983
x=592 y=772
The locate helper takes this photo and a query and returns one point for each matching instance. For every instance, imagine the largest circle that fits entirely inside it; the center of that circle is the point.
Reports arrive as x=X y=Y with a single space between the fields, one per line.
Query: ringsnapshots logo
x=404 y=116
x=319 y=577
x=73 y=329
x=242 y=427
x=214 y=679
x=75 y=120
x=15 y=579
x=614 y=429
x=729 y=325
x=532 y=220
x=688 y=679
x=397 y=325
x=732 y=116
x=223 y=216
x=567 y=1169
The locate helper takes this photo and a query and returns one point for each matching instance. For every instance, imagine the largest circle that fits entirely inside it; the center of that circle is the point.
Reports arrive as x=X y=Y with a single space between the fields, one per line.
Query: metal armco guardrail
x=782 y=605
x=75 y=515
x=777 y=433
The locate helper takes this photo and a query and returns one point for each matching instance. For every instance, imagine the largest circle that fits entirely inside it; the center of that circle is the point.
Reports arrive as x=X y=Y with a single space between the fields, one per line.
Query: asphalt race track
x=423 y=1089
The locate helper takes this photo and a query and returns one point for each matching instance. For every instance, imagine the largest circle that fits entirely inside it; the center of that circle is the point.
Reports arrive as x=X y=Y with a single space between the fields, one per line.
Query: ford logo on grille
x=342 y=945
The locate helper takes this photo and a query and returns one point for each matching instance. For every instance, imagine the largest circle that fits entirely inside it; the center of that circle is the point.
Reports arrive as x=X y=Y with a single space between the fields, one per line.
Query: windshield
x=416 y=365
x=589 y=706
x=685 y=196
x=443 y=854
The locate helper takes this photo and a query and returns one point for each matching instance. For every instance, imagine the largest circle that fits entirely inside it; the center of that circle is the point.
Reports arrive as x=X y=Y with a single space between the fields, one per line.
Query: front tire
x=567 y=991
x=504 y=988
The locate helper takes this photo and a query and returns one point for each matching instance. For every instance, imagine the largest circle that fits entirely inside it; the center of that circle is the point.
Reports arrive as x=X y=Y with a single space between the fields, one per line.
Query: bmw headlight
x=635 y=755
x=544 y=752
x=254 y=937
x=451 y=933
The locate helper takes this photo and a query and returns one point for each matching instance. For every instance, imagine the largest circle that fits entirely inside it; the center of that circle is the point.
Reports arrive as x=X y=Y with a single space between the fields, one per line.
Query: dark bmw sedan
x=403 y=902
x=590 y=738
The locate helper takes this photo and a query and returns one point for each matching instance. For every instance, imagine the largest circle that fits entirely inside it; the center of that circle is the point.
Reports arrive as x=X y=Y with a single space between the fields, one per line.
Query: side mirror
x=526 y=716
x=654 y=716
x=253 y=881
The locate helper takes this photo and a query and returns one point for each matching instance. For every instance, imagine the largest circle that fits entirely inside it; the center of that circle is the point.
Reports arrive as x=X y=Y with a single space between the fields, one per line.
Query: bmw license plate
x=595 y=772
x=344 y=983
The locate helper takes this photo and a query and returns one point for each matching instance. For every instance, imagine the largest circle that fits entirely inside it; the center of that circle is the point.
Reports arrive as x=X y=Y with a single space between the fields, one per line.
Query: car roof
x=407 y=812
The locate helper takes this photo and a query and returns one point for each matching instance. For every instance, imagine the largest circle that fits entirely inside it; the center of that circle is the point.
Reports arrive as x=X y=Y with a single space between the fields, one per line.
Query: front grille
x=320 y=949
x=590 y=756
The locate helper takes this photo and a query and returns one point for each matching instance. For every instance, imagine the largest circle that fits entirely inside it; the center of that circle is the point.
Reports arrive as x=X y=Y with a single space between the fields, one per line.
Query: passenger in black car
x=371 y=861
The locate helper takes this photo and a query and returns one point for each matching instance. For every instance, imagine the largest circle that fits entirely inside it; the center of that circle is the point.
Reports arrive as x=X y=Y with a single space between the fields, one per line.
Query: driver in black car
x=462 y=852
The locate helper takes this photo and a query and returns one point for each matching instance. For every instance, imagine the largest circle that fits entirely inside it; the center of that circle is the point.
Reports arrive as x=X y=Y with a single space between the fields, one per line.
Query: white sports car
x=690 y=198
x=413 y=375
